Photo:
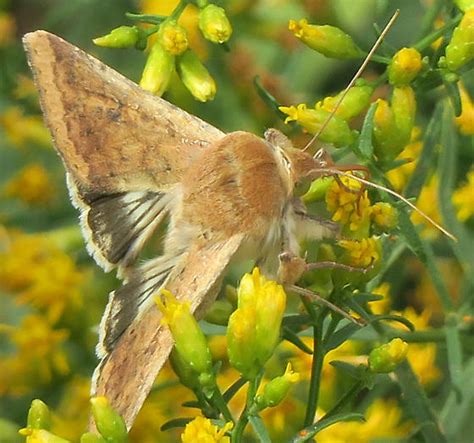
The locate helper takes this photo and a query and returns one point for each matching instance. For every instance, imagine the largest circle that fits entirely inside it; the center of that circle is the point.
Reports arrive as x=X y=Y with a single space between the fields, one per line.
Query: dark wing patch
x=116 y=226
x=126 y=303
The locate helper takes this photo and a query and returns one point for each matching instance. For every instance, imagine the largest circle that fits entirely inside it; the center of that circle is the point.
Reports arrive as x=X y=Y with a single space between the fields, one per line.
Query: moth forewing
x=131 y=158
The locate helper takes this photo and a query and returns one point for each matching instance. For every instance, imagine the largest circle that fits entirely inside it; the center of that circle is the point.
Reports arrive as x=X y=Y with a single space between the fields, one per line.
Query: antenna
x=355 y=77
x=391 y=192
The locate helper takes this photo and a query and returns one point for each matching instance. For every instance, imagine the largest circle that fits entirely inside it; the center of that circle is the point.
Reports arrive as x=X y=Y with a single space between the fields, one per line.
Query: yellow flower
x=460 y=49
x=421 y=356
x=158 y=70
x=121 y=37
x=201 y=430
x=463 y=198
x=7 y=29
x=427 y=202
x=404 y=67
x=349 y=205
x=381 y=306
x=40 y=274
x=383 y=420
x=190 y=341
x=328 y=40
x=254 y=328
x=196 y=77
x=388 y=356
x=25 y=88
x=41 y=436
x=32 y=185
x=39 y=355
x=173 y=37
x=188 y=19
x=337 y=131
x=21 y=129
x=400 y=176
x=465 y=121
x=72 y=413
x=214 y=24
x=356 y=100
x=362 y=253
x=384 y=215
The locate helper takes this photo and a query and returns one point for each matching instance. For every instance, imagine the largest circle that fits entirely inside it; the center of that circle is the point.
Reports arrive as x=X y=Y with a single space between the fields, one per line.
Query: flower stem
x=244 y=418
x=317 y=363
x=345 y=399
x=218 y=402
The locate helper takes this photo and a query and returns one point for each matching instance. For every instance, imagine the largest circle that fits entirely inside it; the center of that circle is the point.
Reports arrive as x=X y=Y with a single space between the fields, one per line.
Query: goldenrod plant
x=378 y=344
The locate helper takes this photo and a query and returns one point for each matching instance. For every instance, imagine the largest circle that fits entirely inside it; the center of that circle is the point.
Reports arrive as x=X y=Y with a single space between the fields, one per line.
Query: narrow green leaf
x=192 y=404
x=418 y=404
x=426 y=159
x=260 y=429
x=296 y=322
x=447 y=176
x=394 y=317
x=356 y=372
x=293 y=338
x=456 y=416
x=365 y=147
x=233 y=389
x=307 y=433
x=453 y=93
x=454 y=349
x=366 y=297
x=268 y=98
x=176 y=423
x=340 y=336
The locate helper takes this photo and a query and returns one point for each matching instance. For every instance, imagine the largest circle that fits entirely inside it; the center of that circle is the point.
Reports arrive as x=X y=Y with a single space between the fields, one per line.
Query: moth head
x=300 y=165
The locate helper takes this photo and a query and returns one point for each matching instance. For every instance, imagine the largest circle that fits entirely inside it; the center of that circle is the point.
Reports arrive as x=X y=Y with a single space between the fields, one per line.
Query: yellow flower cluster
x=351 y=207
x=201 y=430
x=362 y=253
x=35 y=272
x=21 y=129
x=31 y=185
x=463 y=198
x=383 y=419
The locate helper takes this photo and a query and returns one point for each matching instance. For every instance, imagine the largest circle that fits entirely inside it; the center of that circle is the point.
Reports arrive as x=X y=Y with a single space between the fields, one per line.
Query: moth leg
x=314 y=297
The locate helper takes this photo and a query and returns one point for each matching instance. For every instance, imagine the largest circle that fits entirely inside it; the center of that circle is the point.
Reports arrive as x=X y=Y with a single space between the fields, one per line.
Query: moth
x=134 y=161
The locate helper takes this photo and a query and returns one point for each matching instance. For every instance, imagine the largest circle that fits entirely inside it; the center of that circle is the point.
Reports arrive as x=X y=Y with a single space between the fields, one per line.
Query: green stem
x=378 y=58
x=179 y=9
x=317 y=363
x=238 y=431
x=345 y=399
x=429 y=17
x=218 y=401
x=430 y=38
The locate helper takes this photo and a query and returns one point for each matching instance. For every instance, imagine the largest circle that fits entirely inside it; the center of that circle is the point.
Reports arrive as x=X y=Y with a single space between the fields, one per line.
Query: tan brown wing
x=126 y=375
x=112 y=135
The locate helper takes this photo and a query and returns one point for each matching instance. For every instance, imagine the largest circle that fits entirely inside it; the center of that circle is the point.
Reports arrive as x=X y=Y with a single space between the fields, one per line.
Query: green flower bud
x=254 y=328
x=110 y=424
x=240 y=341
x=219 y=312
x=404 y=110
x=404 y=66
x=277 y=389
x=121 y=37
x=90 y=437
x=356 y=100
x=186 y=374
x=39 y=416
x=173 y=37
x=214 y=24
x=328 y=40
x=189 y=339
x=41 y=436
x=196 y=77
x=460 y=49
x=464 y=5
x=387 y=357
x=393 y=125
x=337 y=131
x=158 y=70
x=317 y=190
